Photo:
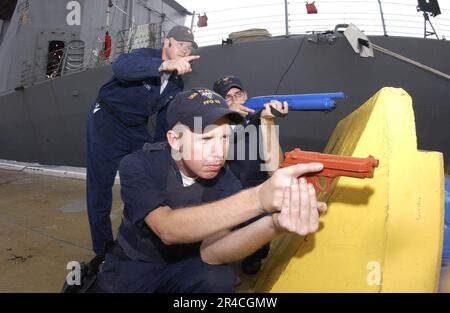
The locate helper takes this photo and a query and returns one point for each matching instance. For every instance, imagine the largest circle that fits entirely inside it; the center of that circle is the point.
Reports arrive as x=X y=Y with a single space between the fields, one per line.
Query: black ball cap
x=182 y=33
x=223 y=85
x=199 y=103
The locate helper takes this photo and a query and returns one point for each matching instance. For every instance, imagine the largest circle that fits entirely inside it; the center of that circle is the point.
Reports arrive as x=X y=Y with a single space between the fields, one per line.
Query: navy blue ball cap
x=199 y=103
x=182 y=33
x=223 y=85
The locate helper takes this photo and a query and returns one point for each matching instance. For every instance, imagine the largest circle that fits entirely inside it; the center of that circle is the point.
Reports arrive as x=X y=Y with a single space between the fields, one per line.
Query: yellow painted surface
x=382 y=234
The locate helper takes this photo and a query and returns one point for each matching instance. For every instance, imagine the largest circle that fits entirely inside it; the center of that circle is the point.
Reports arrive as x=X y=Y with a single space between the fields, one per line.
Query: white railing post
x=382 y=18
x=192 y=20
x=286 y=17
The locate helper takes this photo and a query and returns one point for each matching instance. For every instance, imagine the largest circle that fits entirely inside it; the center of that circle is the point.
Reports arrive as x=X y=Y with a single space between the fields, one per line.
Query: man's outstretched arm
x=137 y=65
x=299 y=214
x=141 y=64
x=197 y=223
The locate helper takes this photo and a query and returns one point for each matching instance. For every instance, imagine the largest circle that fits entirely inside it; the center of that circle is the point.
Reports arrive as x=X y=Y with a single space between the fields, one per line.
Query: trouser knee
x=216 y=278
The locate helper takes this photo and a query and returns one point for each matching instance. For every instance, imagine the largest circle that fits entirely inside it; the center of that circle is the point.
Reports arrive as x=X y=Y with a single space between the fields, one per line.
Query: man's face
x=204 y=154
x=235 y=97
x=175 y=49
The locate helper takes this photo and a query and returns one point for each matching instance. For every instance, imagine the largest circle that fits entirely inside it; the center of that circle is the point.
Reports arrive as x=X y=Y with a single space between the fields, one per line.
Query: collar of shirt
x=188 y=181
x=164 y=81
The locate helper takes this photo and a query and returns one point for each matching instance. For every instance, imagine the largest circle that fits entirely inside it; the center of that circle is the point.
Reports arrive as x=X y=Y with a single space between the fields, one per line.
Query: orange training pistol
x=333 y=165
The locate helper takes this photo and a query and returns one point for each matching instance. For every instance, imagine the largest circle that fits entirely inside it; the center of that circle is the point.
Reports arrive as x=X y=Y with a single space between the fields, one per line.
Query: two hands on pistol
x=292 y=200
x=297 y=209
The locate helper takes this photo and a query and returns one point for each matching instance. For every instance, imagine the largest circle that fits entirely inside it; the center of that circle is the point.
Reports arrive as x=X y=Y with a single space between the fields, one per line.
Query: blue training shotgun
x=298 y=102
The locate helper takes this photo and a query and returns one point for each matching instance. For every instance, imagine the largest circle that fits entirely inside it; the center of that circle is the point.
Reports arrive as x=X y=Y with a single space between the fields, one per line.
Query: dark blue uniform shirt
x=150 y=179
x=134 y=92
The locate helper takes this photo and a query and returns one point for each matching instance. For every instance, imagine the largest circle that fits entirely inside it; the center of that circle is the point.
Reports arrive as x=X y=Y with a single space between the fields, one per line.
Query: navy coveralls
x=141 y=262
x=117 y=126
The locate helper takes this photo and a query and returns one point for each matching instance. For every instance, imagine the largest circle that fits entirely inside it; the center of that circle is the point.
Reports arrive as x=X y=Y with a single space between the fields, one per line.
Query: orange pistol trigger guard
x=315 y=182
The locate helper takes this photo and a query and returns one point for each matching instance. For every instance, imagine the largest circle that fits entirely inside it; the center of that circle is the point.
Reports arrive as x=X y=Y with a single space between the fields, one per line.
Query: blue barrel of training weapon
x=298 y=102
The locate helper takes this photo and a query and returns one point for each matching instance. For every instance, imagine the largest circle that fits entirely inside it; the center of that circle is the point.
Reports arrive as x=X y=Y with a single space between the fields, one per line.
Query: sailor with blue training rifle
x=254 y=165
x=256 y=162
x=248 y=167
x=261 y=113
x=144 y=82
x=182 y=205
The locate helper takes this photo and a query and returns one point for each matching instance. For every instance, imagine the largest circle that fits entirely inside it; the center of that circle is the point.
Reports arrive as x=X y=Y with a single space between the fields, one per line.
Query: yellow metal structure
x=379 y=235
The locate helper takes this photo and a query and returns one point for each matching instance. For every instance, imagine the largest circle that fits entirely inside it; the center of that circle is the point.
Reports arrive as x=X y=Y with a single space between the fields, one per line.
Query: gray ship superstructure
x=37 y=34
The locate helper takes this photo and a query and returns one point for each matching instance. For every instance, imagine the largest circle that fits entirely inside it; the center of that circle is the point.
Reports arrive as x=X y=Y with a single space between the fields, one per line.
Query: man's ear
x=173 y=140
x=167 y=43
x=245 y=95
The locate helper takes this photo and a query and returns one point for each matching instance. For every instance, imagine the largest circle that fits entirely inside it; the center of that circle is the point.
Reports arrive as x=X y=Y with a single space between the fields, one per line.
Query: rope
x=410 y=61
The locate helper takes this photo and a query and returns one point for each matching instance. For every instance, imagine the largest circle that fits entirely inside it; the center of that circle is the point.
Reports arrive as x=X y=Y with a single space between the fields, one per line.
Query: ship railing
x=374 y=17
x=140 y=36
x=71 y=59
x=42 y=67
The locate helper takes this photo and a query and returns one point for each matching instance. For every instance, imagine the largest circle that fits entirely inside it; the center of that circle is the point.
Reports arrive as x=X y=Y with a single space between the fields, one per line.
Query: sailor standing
x=144 y=82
